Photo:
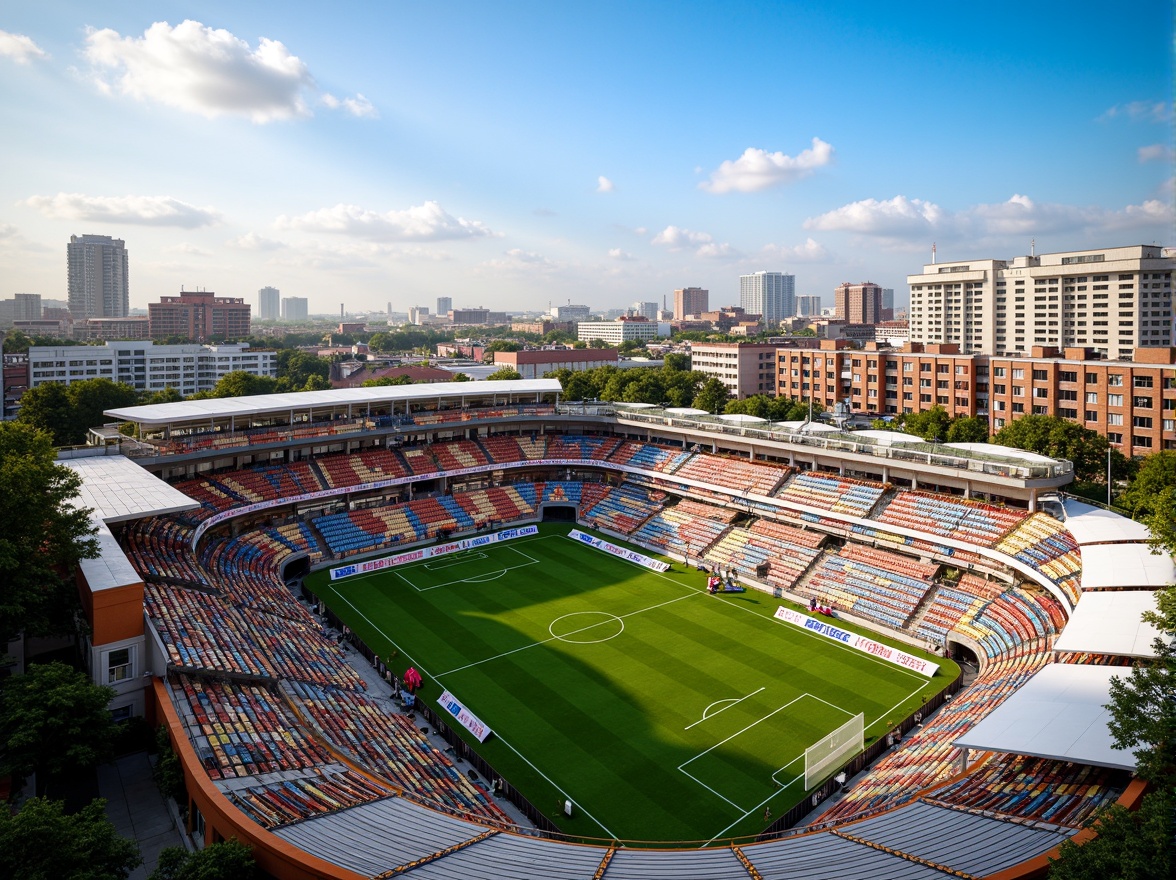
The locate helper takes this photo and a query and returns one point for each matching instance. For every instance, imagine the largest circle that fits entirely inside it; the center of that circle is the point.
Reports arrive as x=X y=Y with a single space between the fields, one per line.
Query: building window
x=1091 y=416
x=1114 y=418
x=118 y=665
x=1114 y=400
x=1143 y=381
x=1092 y=397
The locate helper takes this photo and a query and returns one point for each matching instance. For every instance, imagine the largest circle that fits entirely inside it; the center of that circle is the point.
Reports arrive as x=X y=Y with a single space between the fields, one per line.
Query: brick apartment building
x=1132 y=402
x=199 y=316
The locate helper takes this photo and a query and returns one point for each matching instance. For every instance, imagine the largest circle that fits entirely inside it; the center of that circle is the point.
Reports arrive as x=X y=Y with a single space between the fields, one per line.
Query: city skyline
x=397 y=154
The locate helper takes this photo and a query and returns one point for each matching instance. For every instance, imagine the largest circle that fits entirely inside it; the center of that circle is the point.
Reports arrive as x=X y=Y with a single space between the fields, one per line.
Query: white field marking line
x=833 y=705
x=620 y=617
x=785 y=767
x=384 y=634
x=890 y=711
x=770 y=619
x=556 y=787
x=443 y=562
x=474 y=579
x=762 y=803
x=731 y=701
x=483 y=578
x=738 y=732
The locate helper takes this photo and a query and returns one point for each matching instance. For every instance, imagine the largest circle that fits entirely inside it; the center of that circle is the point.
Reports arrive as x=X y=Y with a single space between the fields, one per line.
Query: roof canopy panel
x=117 y=489
x=1125 y=565
x=1059 y=714
x=1111 y=622
x=1093 y=525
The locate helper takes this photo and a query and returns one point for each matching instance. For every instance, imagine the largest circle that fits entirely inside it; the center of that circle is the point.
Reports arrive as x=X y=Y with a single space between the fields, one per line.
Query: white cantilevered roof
x=117 y=489
x=1093 y=525
x=224 y=407
x=1125 y=565
x=1059 y=714
x=1110 y=623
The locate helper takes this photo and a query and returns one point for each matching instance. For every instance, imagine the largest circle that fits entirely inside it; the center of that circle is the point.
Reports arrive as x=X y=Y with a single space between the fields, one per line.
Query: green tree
x=167 y=395
x=461 y=377
x=931 y=424
x=242 y=384
x=499 y=345
x=43 y=535
x=41 y=842
x=295 y=369
x=90 y=399
x=968 y=429
x=504 y=373
x=386 y=380
x=1138 y=845
x=1061 y=438
x=678 y=361
x=227 y=860
x=1151 y=497
x=712 y=397
x=46 y=408
x=54 y=721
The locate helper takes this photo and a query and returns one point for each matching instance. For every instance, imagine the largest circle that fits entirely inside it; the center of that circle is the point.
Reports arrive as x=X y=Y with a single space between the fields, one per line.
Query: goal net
x=831 y=752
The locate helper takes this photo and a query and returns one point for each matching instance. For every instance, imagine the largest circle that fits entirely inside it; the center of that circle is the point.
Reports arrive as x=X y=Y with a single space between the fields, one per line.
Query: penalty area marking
x=484 y=577
x=729 y=702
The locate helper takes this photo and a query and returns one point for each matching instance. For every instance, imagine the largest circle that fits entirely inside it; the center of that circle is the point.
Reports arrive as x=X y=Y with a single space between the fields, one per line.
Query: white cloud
x=808 y=252
x=521 y=261
x=897 y=217
x=1139 y=111
x=1156 y=153
x=675 y=238
x=7 y=230
x=201 y=70
x=139 y=210
x=191 y=250
x=20 y=48
x=618 y=254
x=718 y=251
x=427 y=222
x=604 y=185
x=251 y=241
x=359 y=106
x=758 y=169
x=906 y=219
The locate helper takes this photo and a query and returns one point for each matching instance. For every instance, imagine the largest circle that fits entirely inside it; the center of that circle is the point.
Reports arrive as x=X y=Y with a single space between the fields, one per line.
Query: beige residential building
x=745 y=368
x=1113 y=300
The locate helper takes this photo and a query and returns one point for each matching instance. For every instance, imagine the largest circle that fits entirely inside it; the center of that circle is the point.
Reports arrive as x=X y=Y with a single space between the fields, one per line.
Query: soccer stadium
x=471 y=629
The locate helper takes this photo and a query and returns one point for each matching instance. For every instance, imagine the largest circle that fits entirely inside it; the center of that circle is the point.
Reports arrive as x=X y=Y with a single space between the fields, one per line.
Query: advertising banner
x=859 y=643
x=627 y=555
x=420 y=553
x=464 y=716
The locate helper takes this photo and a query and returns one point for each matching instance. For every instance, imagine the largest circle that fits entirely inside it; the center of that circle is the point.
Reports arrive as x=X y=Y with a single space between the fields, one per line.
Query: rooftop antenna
x=932 y=253
x=1033 y=247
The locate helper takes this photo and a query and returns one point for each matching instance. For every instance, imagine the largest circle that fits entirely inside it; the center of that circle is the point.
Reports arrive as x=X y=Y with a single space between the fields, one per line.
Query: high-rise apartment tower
x=771 y=295
x=98 y=277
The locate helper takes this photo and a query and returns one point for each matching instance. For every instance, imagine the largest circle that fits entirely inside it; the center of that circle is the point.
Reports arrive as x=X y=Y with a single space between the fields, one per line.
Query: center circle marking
x=587 y=627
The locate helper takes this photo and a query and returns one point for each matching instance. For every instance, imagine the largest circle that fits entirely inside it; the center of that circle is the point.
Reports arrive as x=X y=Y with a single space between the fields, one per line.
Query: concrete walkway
x=137 y=809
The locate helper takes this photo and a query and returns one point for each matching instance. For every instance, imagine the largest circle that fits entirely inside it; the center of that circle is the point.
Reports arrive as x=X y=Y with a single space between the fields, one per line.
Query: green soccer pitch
x=662 y=712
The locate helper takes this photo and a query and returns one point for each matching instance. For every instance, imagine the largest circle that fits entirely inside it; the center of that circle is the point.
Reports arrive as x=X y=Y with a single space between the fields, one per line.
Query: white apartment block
x=771 y=295
x=1113 y=300
x=616 y=332
x=148 y=367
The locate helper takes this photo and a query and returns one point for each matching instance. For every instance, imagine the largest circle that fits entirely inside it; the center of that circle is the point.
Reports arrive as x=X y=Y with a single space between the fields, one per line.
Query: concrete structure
x=621 y=330
x=148 y=367
x=294 y=308
x=200 y=316
x=444 y=306
x=1133 y=403
x=690 y=301
x=858 y=303
x=418 y=315
x=269 y=304
x=133 y=327
x=542 y=326
x=1114 y=300
x=887 y=303
x=98 y=277
x=744 y=368
x=647 y=310
x=808 y=306
x=571 y=312
x=27 y=307
x=772 y=295
x=537 y=364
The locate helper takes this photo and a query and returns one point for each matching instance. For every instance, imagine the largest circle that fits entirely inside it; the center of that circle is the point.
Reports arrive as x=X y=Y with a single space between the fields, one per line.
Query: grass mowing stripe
x=606 y=723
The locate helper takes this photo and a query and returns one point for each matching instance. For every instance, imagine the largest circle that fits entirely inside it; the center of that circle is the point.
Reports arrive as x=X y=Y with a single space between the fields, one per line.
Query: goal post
x=832 y=750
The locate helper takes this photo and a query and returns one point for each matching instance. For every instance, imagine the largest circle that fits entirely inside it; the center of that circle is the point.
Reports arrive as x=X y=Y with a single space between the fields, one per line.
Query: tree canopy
x=509 y=373
x=1061 y=438
x=53 y=721
x=712 y=396
x=776 y=409
x=67 y=412
x=42 y=535
x=41 y=842
x=1151 y=497
x=226 y=860
x=662 y=386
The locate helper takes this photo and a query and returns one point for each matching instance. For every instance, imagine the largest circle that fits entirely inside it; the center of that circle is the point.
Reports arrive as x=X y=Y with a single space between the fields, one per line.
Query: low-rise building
x=621 y=330
x=148 y=367
x=744 y=368
x=536 y=364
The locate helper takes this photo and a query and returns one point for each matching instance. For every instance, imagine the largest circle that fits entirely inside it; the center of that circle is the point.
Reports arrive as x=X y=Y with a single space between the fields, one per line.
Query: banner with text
x=430 y=552
x=859 y=643
x=627 y=555
x=464 y=716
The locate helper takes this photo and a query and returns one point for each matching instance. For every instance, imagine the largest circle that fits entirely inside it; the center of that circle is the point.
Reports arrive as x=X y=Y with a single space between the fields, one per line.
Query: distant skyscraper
x=887 y=303
x=772 y=295
x=99 y=277
x=269 y=304
x=858 y=303
x=645 y=309
x=808 y=306
x=27 y=307
x=690 y=301
x=294 y=308
x=444 y=305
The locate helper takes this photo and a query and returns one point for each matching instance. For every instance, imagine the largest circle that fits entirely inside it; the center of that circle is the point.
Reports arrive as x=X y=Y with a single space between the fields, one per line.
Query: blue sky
x=516 y=154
